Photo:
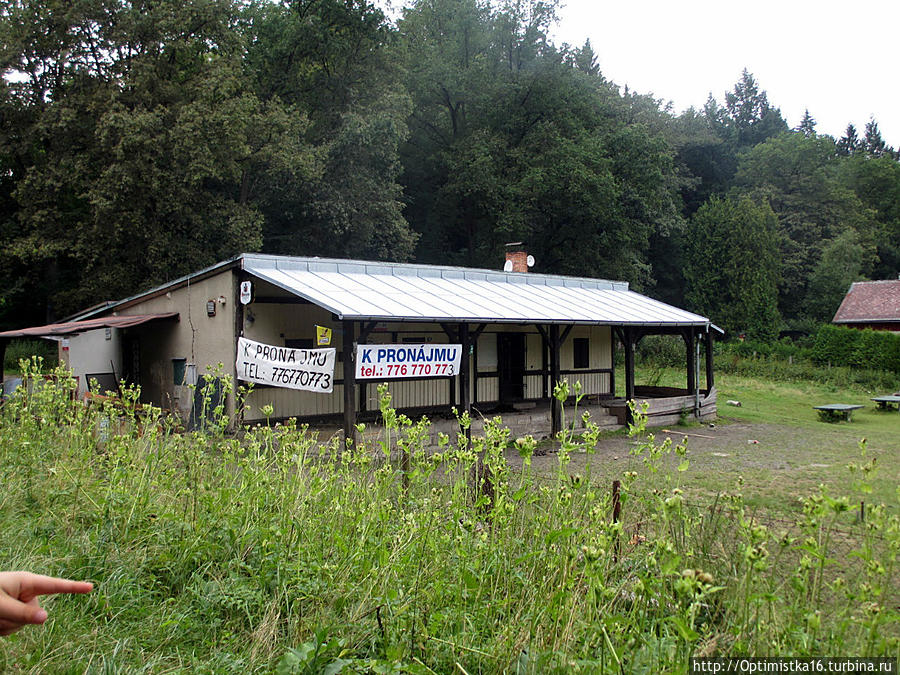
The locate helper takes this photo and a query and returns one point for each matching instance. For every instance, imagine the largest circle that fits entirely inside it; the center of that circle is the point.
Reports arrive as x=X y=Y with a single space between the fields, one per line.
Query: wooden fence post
x=617 y=511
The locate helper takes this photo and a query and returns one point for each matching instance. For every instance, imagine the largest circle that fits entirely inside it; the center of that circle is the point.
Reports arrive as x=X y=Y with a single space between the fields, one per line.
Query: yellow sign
x=323 y=336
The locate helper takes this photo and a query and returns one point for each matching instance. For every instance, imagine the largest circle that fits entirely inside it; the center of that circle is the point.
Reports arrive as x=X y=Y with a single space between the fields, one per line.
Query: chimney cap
x=513 y=243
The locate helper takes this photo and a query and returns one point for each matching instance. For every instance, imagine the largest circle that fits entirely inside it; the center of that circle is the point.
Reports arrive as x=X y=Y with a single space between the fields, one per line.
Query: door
x=131 y=359
x=511 y=366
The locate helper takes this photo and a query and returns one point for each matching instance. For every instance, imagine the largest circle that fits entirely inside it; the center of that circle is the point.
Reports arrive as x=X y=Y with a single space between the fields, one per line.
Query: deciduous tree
x=799 y=177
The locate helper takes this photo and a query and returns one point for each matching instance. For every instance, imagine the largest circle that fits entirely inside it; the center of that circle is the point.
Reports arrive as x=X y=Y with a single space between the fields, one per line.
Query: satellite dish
x=530 y=261
x=507 y=266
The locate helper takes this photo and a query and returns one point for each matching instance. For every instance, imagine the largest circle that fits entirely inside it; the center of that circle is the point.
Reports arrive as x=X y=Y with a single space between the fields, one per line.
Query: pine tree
x=874 y=144
x=849 y=143
x=585 y=59
x=750 y=113
x=807 y=125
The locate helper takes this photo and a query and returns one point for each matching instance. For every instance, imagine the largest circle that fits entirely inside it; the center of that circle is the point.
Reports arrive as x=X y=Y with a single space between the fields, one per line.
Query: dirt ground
x=778 y=463
x=751 y=444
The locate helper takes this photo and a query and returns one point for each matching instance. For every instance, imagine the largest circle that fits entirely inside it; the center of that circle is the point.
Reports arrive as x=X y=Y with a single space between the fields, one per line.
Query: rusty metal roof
x=870 y=302
x=75 y=327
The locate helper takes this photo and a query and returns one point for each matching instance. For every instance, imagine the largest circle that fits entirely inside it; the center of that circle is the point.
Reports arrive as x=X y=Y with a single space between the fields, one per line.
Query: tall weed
x=271 y=550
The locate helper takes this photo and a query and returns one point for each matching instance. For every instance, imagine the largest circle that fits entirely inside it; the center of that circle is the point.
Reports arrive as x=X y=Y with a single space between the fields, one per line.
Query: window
x=582 y=352
x=300 y=343
x=179 y=368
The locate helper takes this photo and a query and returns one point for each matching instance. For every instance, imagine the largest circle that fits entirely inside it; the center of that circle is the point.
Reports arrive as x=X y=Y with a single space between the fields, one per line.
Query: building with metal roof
x=513 y=334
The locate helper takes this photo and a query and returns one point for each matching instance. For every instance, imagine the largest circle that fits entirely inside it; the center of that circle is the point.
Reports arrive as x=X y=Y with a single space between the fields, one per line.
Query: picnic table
x=835 y=412
x=885 y=402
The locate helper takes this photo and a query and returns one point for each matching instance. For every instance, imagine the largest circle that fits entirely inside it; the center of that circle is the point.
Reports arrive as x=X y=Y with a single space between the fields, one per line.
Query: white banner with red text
x=305 y=369
x=397 y=361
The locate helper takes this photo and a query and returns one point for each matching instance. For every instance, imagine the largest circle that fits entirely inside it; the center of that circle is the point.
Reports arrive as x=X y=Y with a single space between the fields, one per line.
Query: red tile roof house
x=871 y=304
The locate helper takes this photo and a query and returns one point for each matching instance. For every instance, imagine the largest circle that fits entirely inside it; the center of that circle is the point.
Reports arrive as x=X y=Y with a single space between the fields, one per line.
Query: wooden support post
x=464 y=376
x=475 y=371
x=464 y=369
x=688 y=335
x=709 y=361
x=473 y=341
x=363 y=404
x=616 y=514
x=545 y=363
x=555 y=406
x=349 y=381
x=453 y=334
x=364 y=332
x=481 y=479
x=3 y=343
x=628 y=343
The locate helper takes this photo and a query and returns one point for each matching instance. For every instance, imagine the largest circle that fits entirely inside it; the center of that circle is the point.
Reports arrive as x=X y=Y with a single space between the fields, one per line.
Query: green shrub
x=834 y=345
x=661 y=350
x=843 y=346
x=18 y=349
x=772 y=368
x=784 y=348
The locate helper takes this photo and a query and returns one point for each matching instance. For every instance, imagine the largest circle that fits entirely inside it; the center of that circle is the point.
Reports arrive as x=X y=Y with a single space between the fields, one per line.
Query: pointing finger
x=32 y=585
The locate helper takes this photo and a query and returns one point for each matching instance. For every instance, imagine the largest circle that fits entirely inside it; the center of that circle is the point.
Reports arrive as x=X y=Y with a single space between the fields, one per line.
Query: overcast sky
x=839 y=59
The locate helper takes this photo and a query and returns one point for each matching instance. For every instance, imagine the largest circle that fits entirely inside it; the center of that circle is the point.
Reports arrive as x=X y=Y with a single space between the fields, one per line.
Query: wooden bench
x=885 y=402
x=835 y=412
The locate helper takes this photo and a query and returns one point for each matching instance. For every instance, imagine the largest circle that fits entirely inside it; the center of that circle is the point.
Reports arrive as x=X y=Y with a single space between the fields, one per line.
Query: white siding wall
x=600 y=356
x=91 y=353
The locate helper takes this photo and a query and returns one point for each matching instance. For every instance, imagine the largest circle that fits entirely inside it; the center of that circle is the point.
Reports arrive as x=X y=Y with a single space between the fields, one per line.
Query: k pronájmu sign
x=393 y=361
x=305 y=369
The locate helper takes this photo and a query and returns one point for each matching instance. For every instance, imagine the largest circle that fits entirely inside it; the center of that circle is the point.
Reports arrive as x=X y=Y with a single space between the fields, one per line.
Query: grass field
x=796 y=451
x=266 y=552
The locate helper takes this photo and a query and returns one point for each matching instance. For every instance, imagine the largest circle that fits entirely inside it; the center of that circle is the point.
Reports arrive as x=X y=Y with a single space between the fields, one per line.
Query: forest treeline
x=145 y=139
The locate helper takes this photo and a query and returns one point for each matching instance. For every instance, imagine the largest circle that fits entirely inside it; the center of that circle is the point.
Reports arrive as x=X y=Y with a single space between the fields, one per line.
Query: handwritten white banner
x=305 y=369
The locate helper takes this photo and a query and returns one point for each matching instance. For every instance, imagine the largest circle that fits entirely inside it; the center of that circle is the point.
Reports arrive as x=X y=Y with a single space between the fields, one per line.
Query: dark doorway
x=131 y=359
x=208 y=396
x=511 y=364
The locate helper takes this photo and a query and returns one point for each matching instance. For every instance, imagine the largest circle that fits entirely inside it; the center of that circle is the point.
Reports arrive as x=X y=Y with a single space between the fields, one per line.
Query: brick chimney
x=515 y=253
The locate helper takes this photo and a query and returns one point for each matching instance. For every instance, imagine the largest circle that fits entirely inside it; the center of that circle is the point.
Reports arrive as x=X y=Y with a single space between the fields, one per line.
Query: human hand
x=19 y=593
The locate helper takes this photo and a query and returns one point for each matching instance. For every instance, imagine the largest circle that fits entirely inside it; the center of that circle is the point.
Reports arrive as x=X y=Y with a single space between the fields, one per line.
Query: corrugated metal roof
x=75 y=327
x=362 y=290
x=870 y=301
